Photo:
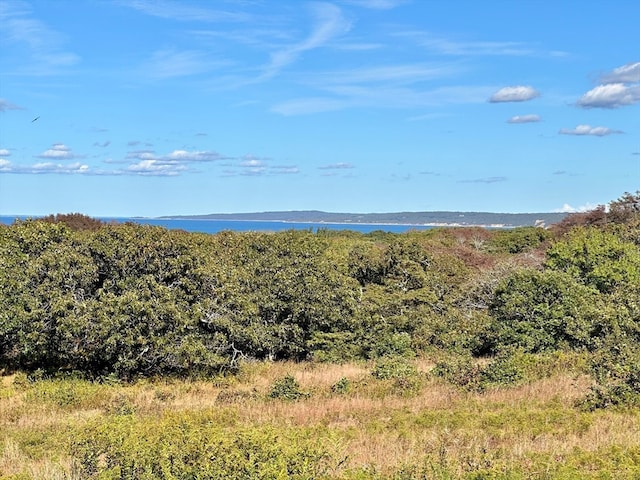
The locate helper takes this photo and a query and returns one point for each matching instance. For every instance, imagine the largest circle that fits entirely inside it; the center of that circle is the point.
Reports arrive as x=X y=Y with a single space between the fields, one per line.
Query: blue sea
x=215 y=226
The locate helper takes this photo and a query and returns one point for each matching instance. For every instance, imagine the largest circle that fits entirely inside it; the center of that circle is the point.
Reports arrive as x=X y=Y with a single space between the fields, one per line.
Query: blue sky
x=162 y=107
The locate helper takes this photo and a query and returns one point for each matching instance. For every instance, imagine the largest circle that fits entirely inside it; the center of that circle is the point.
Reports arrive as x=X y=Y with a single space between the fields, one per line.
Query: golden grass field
x=370 y=429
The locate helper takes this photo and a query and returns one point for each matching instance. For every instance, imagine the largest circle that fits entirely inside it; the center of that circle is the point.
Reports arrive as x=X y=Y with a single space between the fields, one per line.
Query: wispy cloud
x=252 y=166
x=519 y=93
x=336 y=166
x=44 y=51
x=378 y=4
x=183 y=12
x=531 y=118
x=5 y=106
x=4 y=152
x=399 y=74
x=285 y=169
x=169 y=63
x=485 y=180
x=329 y=24
x=589 y=130
x=447 y=46
x=380 y=96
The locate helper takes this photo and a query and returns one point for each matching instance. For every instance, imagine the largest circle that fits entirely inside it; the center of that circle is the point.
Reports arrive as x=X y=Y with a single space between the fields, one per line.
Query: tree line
x=131 y=300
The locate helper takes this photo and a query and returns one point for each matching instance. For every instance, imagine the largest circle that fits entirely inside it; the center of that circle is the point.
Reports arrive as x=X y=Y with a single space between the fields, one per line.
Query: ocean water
x=215 y=226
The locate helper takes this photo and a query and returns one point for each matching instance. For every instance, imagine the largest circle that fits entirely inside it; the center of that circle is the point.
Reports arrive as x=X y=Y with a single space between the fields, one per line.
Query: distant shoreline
x=418 y=219
x=311 y=222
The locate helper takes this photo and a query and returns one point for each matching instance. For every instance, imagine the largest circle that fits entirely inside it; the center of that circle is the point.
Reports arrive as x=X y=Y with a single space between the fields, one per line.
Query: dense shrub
x=537 y=311
x=616 y=370
x=394 y=367
x=122 y=300
x=125 y=301
x=596 y=258
x=518 y=240
x=286 y=388
x=278 y=295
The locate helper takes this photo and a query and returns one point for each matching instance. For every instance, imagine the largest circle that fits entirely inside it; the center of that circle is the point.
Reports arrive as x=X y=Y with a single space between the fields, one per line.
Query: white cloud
x=141 y=162
x=44 y=168
x=252 y=162
x=589 y=130
x=155 y=168
x=59 y=151
x=566 y=208
x=629 y=73
x=4 y=152
x=175 y=157
x=611 y=95
x=198 y=156
x=49 y=167
x=518 y=93
x=524 y=119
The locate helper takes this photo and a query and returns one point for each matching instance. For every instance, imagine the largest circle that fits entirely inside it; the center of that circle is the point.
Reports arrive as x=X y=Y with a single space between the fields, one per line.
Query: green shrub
x=393 y=345
x=543 y=311
x=342 y=386
x=506 y=369
x=597 y=258
x=518 y=240
x=460 y=370
x=287 y=388
x=616 y=369
x=394 y=367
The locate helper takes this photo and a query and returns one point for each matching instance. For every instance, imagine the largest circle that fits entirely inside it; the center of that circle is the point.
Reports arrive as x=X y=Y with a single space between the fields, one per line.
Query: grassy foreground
x=304 y=420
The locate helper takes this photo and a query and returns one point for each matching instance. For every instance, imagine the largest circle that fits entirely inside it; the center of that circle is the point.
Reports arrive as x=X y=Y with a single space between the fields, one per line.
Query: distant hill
x=400 y=218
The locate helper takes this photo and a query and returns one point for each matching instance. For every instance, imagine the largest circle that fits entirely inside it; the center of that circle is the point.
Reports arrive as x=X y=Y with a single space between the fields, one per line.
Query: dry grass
x=374 y=424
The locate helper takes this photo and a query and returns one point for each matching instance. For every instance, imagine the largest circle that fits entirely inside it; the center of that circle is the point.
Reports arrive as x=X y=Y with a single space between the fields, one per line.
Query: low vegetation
x=131 y=351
